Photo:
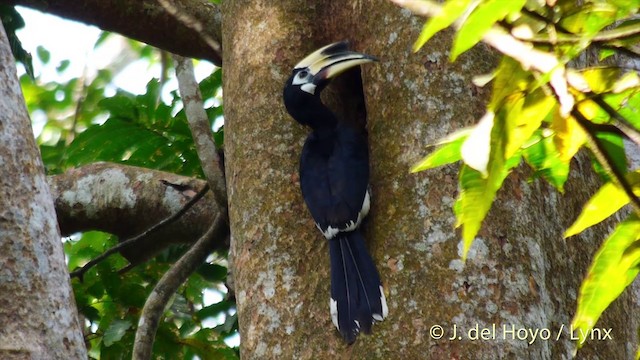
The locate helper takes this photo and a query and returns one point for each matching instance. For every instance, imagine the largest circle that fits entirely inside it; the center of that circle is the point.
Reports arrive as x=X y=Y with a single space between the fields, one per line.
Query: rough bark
x=37 y=310
x=127 y=200
x=279 y=263
x=147 y=21
x=520 y=272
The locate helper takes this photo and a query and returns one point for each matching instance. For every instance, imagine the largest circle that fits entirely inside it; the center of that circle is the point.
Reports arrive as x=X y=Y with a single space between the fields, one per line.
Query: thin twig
x=618 y=120
x=605 y=159
x=125 y=244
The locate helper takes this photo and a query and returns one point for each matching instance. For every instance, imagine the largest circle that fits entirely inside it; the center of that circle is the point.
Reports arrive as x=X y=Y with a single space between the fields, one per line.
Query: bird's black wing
x=334 y=177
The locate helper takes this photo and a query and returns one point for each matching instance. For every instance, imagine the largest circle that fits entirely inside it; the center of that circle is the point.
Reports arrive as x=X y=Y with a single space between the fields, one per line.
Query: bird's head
x=311 y=75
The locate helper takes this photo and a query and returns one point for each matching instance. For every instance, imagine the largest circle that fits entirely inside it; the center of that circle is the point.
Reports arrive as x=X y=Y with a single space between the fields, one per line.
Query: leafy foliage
x=544 y=111
x=80 y=124
x=12 y=21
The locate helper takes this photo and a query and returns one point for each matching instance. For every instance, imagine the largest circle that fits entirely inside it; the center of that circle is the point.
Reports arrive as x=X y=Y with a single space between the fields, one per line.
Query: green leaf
x=605 y=53
x=62 y=66
x=43 y=54
x=121 y=106
x=212 y=272
x=541 y=154
x=569 y=136
x=480 y=21
x=447 y=153
x=134 y=144
x=476 y=196
x=450 y=11
x=589 y=18
x=214 y=310
x=12 y=21
x=115 y=331
x=601 y=80
x=614 y=267
x=523 y=117
x=606 y=201
x=614 y=146
x=208 y=344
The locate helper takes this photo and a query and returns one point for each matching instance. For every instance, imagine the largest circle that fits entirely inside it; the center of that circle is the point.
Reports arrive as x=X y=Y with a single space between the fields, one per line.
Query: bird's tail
x=357 y=298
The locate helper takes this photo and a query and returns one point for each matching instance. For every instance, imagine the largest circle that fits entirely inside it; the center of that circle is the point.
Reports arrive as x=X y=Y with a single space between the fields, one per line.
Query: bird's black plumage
x=334 y=179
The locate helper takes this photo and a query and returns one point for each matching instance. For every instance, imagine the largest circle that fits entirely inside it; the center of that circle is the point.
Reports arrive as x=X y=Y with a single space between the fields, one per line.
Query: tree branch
x=153 y=24
x=189 y=262
x=127 y=200
x=201 y=130
x=137 y=239
x=169 y=284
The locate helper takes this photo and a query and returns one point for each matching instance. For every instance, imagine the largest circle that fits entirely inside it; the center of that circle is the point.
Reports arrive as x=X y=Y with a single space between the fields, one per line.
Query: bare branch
x=153 y=24
x=201 y=130
x=169 y=284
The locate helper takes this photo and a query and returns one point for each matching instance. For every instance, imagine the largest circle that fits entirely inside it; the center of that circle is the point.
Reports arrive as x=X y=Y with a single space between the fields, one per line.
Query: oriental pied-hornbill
x=334 y=179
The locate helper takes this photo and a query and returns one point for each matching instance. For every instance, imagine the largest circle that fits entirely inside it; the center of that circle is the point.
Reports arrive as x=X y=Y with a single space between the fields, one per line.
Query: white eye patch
x=304 y=78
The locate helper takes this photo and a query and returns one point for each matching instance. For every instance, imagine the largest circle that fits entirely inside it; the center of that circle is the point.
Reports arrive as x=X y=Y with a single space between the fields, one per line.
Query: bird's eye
x=303 y=74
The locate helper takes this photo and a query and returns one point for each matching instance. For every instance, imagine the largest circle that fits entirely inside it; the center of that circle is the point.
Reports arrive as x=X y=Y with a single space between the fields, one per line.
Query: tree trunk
x=520 y=273
x=37 y=310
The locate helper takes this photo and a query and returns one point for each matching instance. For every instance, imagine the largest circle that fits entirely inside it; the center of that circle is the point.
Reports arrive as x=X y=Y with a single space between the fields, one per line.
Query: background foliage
x=88 y=119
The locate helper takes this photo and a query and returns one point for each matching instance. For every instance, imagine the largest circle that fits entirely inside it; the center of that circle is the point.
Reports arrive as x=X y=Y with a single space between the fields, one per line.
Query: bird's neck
x=320 y=118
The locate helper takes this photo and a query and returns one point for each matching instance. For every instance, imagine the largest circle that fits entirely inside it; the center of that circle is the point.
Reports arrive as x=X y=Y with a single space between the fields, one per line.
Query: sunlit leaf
x=477 y=190
x=630 y=80
x=628 y=105
x=601 y=80
x=590 y=18
x=569 y=136
x=614 y=267
x=605 y=53
x=480 y=21
x=542 y=155
x=523 y=115
x=510 y=78
x=476 y=149
x=448 y=152
x=613 y=145
x=451 y=11
x=606 y=201
x=477 y=193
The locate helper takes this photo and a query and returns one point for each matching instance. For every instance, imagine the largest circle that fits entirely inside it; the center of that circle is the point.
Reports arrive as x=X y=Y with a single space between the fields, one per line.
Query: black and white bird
x=334 y=179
